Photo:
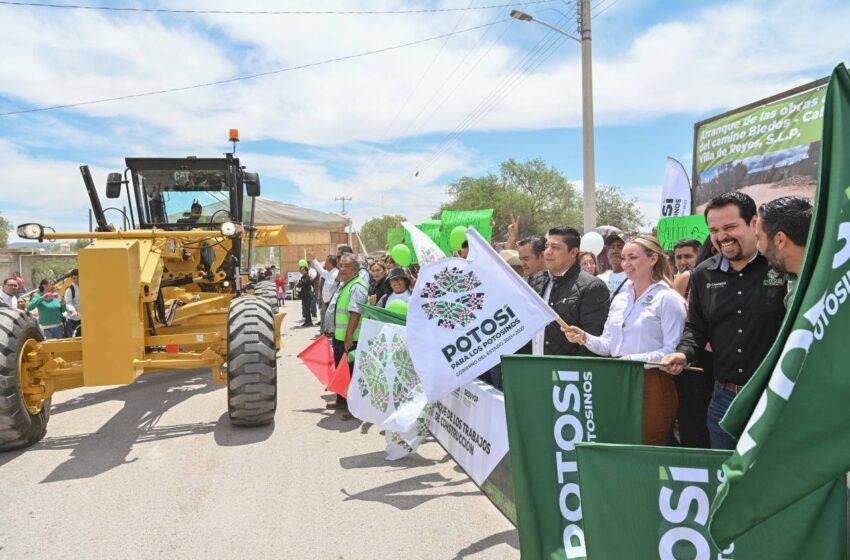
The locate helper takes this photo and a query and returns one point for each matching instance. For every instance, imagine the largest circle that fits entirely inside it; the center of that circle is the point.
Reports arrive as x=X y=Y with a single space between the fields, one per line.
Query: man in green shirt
x=782 y=229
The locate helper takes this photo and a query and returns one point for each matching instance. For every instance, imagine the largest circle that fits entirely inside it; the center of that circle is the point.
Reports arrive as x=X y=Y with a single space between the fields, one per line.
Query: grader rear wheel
x=23 y=418
x=251 y=362
x=267 y=291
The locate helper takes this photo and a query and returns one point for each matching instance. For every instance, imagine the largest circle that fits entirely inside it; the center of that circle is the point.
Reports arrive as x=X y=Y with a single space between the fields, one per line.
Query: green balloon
x=398 y=306
x=457 y=237
x=401 y=255
x=303 y=263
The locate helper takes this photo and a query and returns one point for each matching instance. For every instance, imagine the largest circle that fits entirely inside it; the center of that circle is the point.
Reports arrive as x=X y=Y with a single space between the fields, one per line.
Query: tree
x=536 y=192
x=52 y=268
x=612 y=208
x=5 y=228
x=80 y=244
x=374 y=230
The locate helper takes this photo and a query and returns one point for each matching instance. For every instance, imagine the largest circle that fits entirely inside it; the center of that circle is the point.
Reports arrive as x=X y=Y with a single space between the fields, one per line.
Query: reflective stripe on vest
x=341 y=312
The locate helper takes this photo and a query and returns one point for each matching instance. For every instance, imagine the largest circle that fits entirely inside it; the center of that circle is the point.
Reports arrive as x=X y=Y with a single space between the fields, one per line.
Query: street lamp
x=588 y=159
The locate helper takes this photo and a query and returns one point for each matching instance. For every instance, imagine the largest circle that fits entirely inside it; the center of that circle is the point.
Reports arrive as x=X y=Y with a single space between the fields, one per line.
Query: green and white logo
x=683 y=500
x=452 y=297
x=373 y=379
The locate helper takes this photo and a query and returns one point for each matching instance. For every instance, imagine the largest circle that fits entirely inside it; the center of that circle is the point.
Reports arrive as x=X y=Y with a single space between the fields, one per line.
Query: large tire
x=251 y=362
x=18 y=427
x=267 y=291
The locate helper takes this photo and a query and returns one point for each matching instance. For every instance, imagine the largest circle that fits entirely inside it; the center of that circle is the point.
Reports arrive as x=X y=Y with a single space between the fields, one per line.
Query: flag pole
x=685 y=368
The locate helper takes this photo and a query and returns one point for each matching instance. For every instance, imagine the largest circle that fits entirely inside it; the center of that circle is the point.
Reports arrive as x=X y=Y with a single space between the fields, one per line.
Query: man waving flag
x=465 y=314
x=797 y=436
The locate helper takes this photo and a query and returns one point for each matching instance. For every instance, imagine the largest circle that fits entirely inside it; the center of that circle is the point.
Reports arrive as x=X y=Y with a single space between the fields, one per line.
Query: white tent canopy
x=271 y=212
x=296 y=218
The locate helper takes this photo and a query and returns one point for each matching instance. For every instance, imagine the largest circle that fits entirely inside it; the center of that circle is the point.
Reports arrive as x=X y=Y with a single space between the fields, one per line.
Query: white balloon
x=592 y=242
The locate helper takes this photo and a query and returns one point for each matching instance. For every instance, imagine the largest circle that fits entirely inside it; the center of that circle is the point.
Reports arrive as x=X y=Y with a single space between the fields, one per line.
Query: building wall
x=321 y=243
x=25 y=262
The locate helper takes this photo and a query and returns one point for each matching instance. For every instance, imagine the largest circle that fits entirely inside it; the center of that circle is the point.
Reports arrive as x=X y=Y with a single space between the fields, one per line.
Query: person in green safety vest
x=343 y=314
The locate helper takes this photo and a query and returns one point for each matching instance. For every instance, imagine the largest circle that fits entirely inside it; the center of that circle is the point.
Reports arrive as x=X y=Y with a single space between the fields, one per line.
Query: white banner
x=465 y=314
x=426 y=250
x=675 y=191
x=385 y=389
x=470 y=423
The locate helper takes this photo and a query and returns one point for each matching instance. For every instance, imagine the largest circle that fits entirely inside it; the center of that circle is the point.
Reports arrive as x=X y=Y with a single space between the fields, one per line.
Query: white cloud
x=720 y=56
x=378 y=181
x=723 y=56
x=47 y=191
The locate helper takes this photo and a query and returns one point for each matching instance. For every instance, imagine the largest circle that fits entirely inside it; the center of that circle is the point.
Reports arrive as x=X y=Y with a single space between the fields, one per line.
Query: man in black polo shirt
x=735 y=305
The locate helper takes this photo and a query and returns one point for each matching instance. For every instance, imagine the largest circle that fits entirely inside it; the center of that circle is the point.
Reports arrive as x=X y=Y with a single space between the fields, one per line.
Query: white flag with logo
x=401 y=444
x=465 y=314
x=385 y=389
x=675 y=191
x=426 y=250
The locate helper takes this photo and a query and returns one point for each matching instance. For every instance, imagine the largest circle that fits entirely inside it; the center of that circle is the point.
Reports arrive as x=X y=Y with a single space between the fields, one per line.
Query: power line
x=536 y=56
x=252 y=76
x=425 y=73
x=599 y=13
x=468 y=73
x=451 y=75
x=259 y=12
x=508 y=84
x=488 y=105
x=403 y=106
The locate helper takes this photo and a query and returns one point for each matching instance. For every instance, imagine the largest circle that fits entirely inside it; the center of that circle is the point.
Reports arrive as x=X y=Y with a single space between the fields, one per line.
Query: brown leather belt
x=732 y=388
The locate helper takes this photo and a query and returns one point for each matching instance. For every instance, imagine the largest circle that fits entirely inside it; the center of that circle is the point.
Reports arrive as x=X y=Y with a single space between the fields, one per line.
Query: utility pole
x=589 y=161
x=343 y=199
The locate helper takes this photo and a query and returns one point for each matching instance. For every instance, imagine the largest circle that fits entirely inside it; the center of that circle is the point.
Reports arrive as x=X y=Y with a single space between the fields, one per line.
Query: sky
x=393 y=128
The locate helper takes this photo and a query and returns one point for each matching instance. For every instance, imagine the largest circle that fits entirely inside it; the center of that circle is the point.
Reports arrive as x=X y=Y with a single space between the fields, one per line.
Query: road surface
x=155 y=470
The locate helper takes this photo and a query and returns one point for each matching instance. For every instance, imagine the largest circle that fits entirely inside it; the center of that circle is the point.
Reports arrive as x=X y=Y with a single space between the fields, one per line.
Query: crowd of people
x=58 y=315
x=700 y=317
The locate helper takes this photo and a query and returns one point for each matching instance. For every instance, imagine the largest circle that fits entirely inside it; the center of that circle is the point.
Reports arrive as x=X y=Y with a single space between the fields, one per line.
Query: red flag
x=319 y=359
x=342 y=378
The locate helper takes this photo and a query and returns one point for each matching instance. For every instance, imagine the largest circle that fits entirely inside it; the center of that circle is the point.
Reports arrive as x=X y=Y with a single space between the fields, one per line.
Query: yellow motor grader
x=168 y=293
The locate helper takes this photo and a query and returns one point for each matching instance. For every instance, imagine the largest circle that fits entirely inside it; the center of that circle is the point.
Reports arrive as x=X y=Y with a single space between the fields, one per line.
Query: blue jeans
x=54 y=332
x=721 y=398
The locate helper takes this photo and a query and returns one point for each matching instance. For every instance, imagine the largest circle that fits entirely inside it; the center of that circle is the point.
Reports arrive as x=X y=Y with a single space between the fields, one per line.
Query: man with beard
x=735 y=304
x=782 y=229
x=685 y=253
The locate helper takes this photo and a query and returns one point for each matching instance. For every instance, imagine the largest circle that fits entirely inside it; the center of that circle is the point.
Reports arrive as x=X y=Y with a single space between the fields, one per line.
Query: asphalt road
x=155 y=470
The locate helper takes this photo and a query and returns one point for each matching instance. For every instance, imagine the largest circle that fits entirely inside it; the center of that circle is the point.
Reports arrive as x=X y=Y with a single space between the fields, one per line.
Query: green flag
x=395 y=235
x=793 y=415
x=479 y=219
x=652 y=502
x=551 y=403
x=380 y=314
x=431 y=228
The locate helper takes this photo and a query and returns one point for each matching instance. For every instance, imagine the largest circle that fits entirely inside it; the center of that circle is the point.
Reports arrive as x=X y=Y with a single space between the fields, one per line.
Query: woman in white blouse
x=645 y=323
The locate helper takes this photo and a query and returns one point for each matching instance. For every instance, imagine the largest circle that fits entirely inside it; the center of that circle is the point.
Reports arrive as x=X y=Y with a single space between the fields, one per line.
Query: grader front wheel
x=23 y=419
x=251 y=362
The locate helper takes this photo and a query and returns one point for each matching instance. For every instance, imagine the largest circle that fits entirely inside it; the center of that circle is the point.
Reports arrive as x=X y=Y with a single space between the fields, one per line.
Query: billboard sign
x=766 y=149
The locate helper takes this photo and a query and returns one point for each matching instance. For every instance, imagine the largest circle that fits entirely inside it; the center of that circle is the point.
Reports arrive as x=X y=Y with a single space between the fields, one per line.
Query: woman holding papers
x=646 y=322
